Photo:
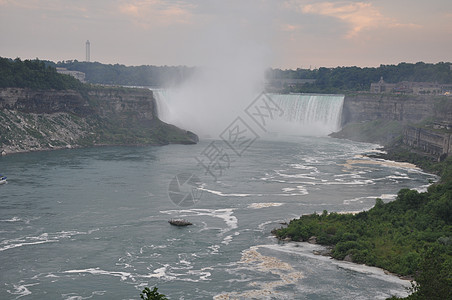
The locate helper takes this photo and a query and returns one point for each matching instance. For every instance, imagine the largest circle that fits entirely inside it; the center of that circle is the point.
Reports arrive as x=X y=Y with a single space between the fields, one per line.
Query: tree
x=147 y=294
x=433 y=279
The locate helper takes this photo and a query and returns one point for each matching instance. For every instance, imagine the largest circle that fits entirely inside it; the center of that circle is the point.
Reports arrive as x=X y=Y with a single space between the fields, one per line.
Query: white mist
x=232 y=54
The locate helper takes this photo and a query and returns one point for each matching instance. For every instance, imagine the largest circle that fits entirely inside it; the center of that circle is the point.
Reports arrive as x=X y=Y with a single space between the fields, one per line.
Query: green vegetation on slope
x=408 y=236
x=34 y=74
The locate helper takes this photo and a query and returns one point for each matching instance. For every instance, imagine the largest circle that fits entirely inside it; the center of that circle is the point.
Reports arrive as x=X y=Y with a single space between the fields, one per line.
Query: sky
x=285 y=34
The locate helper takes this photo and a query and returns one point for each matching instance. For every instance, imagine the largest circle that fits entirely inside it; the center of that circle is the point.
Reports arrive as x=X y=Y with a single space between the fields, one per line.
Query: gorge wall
x=41 y=120
x=405 y=108
x=423 y=120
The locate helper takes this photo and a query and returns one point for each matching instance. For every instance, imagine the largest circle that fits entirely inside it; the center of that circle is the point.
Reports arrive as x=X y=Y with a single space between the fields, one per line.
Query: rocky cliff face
x=123 y=103
x=405 y=108
x=32 y=101
x=383 y=117
x=41 y=120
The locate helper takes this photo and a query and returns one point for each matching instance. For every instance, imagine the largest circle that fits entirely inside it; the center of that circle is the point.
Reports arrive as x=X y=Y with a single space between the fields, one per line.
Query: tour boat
x=179 y=222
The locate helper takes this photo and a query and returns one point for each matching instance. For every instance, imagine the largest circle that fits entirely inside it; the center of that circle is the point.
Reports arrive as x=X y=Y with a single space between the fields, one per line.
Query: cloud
x=145 y=13
x=359 y=16
x=44 y=5
x=408 y=25
x=289 y=27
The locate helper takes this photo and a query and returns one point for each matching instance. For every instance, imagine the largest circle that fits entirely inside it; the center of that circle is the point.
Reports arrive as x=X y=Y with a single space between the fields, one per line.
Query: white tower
x=87 y=51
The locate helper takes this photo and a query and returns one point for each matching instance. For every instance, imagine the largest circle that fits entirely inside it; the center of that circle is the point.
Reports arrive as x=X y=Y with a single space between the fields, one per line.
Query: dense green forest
x=34 y=74
x=340 y=79
x=128 y=75
x=409 y=236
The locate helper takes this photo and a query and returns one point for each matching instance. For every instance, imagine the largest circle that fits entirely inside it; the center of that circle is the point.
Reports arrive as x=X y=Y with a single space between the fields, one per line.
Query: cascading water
x=163 y=109
x=308 y=114
x=303 y=114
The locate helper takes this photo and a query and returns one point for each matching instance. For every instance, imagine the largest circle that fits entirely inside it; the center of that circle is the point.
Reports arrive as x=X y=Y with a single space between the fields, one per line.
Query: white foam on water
x=21 y=290
x=98 y=271
x=398 y=177
x=13 y=219
x=264 y=205
x=18 y=219
x=422 y=188
x=262 y=225
x=229 y=238
x=219 y=193
x=353 y=182
x=214 y=249
x=252 y=260
x=160 y=273
x=18 y=244
x=74 y=296
x=355 y=200
x=304 y=176
x=304 y=167
x=359 y=160
x=306 y=249
x=41 y=239
x=387 y=196
x=301 y=190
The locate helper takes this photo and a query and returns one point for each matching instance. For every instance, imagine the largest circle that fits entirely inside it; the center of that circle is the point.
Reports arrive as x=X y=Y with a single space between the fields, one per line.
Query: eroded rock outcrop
x=42 y=120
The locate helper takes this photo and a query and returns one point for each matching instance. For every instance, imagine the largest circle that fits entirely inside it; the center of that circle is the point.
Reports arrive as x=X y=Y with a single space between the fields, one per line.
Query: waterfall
x=303 y=114
x=308 y=114
x=162 y=97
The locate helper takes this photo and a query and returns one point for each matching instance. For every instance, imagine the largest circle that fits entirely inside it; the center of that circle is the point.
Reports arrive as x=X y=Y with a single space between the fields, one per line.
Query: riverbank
x=410 y=236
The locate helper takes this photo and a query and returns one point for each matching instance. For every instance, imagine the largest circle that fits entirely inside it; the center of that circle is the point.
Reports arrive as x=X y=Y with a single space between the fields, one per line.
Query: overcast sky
x=282 y=33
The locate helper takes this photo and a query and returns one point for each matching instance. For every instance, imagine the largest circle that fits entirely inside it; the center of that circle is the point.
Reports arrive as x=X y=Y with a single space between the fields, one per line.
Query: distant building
x=409 y=87
x=76 y=74
x=382 y=86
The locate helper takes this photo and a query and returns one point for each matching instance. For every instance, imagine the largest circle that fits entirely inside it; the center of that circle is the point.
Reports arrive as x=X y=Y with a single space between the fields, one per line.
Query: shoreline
x=71 y=147
x=380 y=157
x=327 y=252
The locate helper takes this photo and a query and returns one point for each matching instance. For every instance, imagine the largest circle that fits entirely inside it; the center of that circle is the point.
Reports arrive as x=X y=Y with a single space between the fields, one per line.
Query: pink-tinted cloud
x=359 y=16
x=408 y=25
x=289 y=27
x=146 y=13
